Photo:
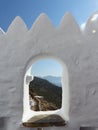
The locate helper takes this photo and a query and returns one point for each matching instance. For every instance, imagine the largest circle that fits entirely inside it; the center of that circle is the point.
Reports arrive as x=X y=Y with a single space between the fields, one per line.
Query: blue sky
x=29 y=10
x=47 y=67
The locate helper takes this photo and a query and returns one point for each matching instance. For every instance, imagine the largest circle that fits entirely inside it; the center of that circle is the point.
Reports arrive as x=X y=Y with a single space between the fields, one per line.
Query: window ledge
x=45 y=121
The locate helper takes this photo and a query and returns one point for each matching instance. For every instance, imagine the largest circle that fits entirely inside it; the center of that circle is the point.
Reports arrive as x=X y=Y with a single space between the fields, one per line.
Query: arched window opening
x=45 y=90
x=46 y=94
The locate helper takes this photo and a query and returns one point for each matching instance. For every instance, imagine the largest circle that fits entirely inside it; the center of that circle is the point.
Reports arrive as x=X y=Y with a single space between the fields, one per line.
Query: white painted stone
x=1 y=32
x=76 y=50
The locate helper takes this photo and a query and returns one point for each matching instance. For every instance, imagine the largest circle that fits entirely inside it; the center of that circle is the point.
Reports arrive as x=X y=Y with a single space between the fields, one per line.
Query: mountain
x=54 y=80
x=52 y=94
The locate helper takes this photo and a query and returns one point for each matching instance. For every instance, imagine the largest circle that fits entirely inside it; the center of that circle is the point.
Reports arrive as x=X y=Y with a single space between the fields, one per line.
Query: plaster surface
x=76 y=49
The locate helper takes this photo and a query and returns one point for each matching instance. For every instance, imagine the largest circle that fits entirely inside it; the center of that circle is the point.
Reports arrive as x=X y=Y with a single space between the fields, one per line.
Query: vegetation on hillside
x=52 y=94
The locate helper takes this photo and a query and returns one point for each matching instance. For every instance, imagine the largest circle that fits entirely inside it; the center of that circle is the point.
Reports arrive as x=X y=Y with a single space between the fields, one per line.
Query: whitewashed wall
x=77 y=49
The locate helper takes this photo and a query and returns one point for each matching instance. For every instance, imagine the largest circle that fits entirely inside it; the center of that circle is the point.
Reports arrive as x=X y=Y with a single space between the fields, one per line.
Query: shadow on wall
x=88 y=128
x=3 y=123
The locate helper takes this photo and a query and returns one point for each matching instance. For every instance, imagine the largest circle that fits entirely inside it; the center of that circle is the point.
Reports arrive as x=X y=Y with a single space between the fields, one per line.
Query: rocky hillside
x=52 y=94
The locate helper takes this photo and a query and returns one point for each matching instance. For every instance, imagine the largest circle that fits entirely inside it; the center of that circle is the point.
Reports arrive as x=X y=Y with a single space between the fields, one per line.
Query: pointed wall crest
x=78 y=51
x=42 y=26
x=17 y=29
x=43 y=23
x=91 y=27
x=69 y=25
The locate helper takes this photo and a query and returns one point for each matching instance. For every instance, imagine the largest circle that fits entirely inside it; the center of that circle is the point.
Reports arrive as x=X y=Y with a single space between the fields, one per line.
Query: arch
x=64 y=111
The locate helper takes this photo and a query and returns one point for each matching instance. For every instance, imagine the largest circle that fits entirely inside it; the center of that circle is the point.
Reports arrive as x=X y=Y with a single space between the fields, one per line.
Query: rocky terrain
x=44 y=95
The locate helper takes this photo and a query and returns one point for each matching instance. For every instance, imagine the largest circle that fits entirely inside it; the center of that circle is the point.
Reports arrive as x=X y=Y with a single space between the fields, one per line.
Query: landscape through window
x=45 y=88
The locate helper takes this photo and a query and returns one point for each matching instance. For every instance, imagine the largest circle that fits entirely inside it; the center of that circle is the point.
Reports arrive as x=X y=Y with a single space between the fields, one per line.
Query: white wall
x=77 y=49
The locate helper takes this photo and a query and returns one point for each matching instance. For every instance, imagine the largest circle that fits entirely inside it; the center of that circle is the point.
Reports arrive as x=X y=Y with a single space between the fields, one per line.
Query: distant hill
x=52 y=93
x=53 y=79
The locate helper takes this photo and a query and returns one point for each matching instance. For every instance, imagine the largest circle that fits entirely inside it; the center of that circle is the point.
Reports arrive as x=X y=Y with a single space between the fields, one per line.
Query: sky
x=29 y=10
x=47 y=67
